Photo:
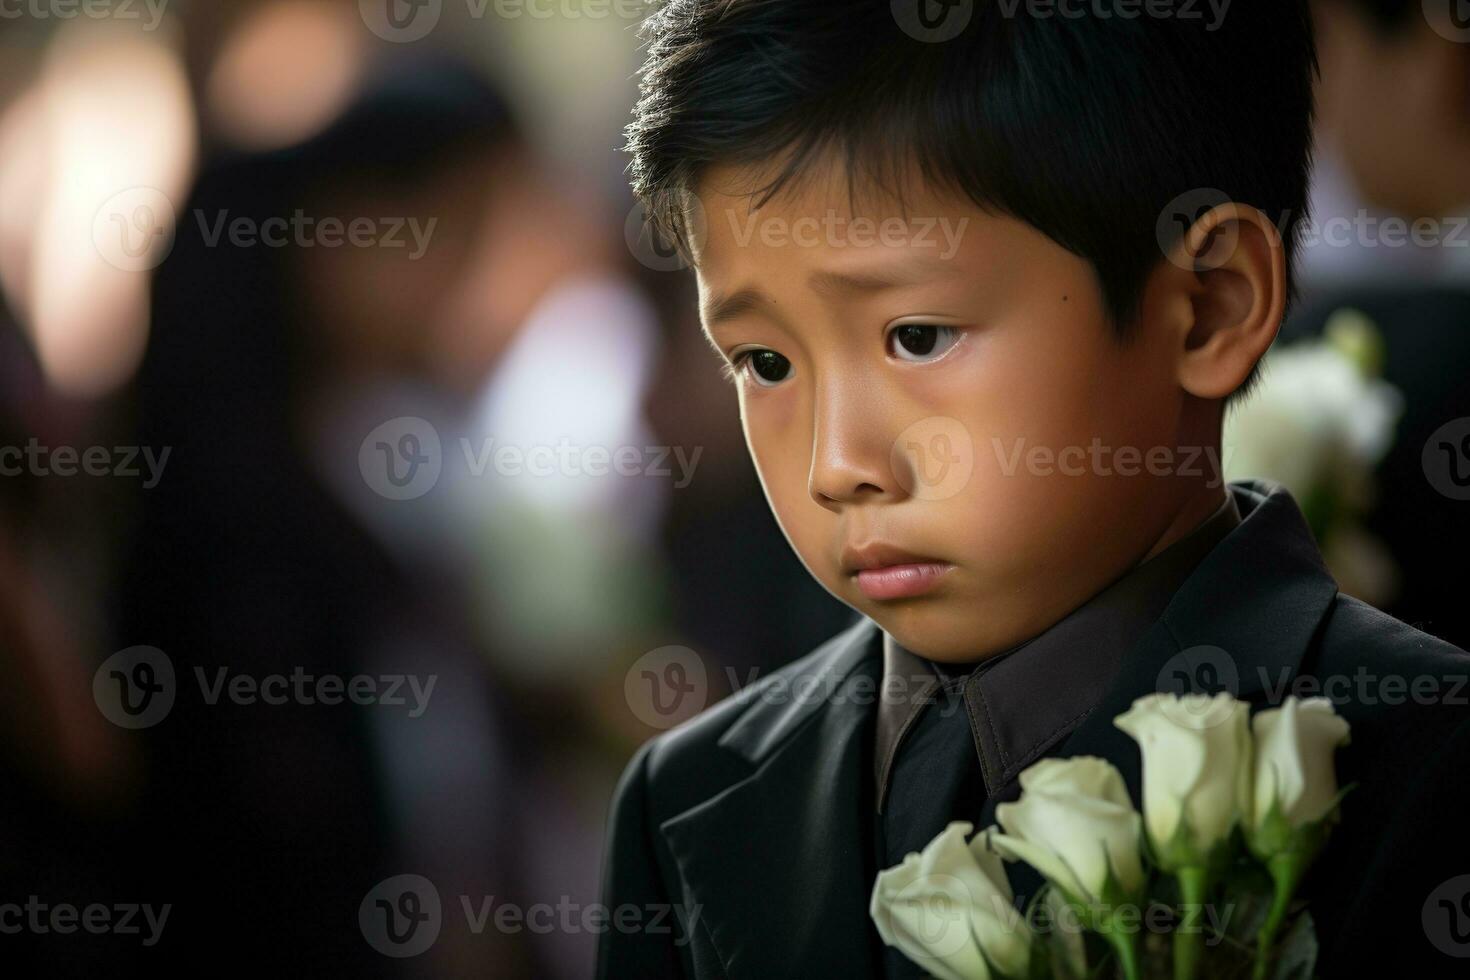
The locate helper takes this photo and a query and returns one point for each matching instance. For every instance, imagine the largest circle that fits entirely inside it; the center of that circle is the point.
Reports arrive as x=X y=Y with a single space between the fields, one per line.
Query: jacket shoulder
x=687 y=764
x=1356 y=634
x=1386 y=677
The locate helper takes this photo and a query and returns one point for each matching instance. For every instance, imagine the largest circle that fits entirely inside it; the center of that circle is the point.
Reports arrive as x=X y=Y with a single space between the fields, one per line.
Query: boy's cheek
x=783 y=465
x=772 y=452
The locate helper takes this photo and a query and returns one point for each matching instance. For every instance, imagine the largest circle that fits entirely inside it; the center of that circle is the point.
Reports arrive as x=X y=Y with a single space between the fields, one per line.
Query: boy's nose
x=849 y=452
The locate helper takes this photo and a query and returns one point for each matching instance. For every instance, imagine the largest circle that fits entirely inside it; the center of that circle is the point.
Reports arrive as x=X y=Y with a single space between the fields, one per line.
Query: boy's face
x=935 y=405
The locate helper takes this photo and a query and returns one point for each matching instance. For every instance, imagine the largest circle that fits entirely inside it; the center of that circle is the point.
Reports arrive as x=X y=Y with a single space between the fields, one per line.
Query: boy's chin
x=934 y=633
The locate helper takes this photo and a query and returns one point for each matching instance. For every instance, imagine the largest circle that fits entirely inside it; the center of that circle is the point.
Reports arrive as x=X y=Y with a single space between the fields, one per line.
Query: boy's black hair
x=1092 y=129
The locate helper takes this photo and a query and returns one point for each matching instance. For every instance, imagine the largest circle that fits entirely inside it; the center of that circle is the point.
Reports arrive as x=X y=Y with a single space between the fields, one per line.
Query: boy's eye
x=922 y=341
x=766 y=367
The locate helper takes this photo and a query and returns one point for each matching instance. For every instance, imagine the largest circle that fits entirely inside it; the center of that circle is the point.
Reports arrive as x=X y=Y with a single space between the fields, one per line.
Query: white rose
x=1075 y=825
x=950 y=909
x=1196 y=771
x=1294 y=765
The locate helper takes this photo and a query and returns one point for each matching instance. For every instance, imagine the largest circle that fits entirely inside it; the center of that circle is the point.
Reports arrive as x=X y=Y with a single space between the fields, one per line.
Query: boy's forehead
x=822 y=190
x=818 y=216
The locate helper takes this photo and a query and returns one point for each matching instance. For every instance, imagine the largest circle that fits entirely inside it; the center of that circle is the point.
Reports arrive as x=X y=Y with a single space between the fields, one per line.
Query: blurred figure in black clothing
x=1394 y=144
x=1426 y=337
x=267 y=824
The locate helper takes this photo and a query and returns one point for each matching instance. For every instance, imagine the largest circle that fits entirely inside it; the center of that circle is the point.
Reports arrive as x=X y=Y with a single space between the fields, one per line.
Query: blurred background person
x=142 y=161
x=1389 y=237
x=1393 y=145
x=251 y=558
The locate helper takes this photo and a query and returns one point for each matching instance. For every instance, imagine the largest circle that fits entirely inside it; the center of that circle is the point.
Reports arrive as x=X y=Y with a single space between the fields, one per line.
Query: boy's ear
x=1227 y=277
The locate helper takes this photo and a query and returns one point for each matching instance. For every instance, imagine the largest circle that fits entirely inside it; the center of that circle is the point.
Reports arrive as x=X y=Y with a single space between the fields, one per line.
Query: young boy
x=985 y=277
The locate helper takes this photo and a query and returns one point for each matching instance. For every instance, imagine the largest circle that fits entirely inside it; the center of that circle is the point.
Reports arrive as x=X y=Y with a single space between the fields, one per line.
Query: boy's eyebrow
x=917 y=270
x=737 y=304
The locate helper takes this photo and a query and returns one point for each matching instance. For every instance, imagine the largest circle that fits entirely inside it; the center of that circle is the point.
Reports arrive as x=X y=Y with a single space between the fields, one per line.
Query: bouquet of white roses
x=1202 y=884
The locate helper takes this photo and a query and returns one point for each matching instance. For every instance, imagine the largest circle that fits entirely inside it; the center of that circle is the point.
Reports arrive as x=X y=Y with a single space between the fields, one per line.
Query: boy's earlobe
x=1237 y=287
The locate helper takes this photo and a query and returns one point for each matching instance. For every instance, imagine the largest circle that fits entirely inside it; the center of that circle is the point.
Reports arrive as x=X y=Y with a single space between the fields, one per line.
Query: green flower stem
x=1188 y=938
x=1125 y=944
x=1286 y=871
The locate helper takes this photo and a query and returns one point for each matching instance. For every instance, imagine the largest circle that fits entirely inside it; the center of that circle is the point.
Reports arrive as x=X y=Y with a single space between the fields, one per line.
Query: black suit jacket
x=753 y=820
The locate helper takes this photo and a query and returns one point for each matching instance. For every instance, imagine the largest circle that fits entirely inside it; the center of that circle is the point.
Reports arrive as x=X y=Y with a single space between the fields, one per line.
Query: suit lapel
x=779 y=865
x=1241 y=622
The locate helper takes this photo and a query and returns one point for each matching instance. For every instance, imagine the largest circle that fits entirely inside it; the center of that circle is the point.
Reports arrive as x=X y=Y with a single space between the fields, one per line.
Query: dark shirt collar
x=1024 y=700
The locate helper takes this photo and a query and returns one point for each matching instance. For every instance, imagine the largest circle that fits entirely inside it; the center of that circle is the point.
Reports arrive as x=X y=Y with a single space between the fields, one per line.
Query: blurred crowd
x=332 y=348
x=174 y=295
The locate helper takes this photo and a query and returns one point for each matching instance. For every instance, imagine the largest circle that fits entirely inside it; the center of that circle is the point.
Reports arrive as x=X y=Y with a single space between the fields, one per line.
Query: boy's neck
x=1195 y=510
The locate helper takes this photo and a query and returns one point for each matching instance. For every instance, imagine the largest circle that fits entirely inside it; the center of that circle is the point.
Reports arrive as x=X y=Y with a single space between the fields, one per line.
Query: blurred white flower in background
x=1318 y=424
x=565 y=561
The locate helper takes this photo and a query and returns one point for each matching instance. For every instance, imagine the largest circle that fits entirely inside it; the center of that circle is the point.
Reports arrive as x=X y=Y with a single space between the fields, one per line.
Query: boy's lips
x=886 y=572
